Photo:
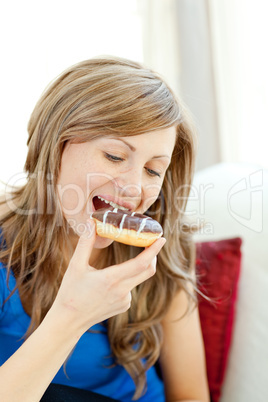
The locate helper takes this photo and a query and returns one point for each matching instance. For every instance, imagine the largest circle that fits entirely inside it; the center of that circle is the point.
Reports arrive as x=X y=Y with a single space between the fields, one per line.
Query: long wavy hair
x=98 y=97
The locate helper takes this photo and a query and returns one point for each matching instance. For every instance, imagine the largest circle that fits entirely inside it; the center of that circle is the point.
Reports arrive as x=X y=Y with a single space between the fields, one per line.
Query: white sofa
x=232 y=200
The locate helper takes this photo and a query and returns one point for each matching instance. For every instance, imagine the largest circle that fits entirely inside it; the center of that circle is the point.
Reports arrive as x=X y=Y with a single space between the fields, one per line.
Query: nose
x=129 y=184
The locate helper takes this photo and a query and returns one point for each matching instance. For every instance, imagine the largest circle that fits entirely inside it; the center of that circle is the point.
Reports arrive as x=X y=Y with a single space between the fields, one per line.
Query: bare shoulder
x=182 y=356
x=178 y=307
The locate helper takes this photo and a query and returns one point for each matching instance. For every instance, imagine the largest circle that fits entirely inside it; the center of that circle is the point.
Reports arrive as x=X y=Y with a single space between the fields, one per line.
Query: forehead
x=160 y=141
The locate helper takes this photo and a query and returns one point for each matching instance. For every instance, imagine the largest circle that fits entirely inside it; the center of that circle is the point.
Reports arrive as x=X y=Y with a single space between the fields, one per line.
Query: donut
x=126 y=227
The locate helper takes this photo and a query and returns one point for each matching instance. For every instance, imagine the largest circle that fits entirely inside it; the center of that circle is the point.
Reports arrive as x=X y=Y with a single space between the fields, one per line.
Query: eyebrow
x=133 y=149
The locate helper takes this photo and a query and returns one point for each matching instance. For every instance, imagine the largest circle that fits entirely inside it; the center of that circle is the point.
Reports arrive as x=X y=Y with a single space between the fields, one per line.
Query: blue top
x=88 y=367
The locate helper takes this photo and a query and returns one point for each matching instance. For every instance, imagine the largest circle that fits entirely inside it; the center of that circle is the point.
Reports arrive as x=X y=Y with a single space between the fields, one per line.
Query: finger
x=85 y=244
x=139 y=264
x=142 y=276
x=145 y=258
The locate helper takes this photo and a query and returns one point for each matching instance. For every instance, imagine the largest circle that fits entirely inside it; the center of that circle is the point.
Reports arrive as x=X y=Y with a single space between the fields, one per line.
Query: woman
x=98 y=314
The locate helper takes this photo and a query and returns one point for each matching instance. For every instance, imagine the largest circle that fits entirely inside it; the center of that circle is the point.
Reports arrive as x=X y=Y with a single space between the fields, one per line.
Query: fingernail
x=163 y=239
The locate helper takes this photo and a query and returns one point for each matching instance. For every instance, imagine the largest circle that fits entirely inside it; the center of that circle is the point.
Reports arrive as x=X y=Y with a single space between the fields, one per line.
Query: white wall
x=197 y=77
x=239 y=32
x=41 y=39
x=213 y=53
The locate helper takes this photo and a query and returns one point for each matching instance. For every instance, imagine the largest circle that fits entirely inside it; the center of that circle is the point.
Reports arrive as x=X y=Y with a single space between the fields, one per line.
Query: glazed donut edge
x=126 y=236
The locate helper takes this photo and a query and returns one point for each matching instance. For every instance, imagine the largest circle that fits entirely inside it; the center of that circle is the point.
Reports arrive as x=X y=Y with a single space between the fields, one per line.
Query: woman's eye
x=113 y=158
x=153 y=172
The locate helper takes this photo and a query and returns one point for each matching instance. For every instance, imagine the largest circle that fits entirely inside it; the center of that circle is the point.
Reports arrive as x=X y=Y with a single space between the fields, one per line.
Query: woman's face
x=125 y=172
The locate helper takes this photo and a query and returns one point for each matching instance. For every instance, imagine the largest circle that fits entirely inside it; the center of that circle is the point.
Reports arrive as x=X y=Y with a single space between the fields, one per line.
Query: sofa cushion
x=218 y=268
x=231 y=200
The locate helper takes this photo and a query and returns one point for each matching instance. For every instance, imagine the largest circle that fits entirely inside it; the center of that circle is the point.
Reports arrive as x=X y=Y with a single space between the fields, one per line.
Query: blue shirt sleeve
x=2 y=287
x=3 y=276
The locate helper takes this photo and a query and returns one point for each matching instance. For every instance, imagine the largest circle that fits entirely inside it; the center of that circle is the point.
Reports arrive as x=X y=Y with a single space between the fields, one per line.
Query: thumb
x=85 y=244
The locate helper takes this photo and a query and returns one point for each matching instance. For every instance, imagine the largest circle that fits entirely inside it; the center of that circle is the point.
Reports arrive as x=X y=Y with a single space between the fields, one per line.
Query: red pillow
x=218 y=267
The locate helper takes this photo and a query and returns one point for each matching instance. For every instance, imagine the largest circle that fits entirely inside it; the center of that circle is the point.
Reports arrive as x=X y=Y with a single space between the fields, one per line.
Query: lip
x=130 y=206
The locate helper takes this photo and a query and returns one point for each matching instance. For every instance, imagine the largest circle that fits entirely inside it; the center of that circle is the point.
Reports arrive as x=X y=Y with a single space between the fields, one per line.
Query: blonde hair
x=93 y=98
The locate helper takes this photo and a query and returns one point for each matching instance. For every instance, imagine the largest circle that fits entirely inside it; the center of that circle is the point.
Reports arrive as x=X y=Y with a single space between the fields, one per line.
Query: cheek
x=72 y=198
x=76 y=192
x=151 y=193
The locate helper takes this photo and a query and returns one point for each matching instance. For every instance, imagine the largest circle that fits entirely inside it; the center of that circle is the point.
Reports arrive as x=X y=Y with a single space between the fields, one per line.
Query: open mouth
x=100 y=202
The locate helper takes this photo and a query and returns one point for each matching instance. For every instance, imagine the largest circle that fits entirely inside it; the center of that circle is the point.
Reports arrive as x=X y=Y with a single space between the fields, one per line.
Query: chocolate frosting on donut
x=127 y=220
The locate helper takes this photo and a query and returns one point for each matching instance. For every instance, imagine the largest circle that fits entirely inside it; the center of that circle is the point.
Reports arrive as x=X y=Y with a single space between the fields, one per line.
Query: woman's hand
x=86 y=297
x=89 y=296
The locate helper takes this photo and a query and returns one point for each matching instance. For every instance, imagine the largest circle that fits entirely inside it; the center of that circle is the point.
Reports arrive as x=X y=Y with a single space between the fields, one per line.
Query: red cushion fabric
x=218 y=268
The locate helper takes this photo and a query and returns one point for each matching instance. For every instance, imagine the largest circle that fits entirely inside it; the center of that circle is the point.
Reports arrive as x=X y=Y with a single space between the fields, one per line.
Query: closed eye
x=152 y=172
x=113 y=158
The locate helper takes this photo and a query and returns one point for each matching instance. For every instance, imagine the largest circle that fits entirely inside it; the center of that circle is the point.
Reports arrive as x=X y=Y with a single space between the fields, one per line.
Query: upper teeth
x=113 y=204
